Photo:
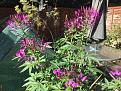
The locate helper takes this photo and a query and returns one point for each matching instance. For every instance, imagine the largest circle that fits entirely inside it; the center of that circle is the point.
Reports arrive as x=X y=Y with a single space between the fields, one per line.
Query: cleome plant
x=63 y=64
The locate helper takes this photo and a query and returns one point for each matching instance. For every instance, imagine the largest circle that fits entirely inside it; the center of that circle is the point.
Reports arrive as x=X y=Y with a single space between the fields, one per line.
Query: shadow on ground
x=10 y=78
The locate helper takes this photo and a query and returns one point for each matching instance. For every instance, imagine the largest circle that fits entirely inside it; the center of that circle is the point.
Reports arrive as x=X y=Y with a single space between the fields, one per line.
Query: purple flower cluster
x=74 y=78
x=82 y=77
x=34 y=44
x=20 y=53
x=20 y=20
x=115 y=71
x=85 y=16
x=71 y=83
x=31 y=44
x=57 y=72
x=78 y=80
x=27 y=42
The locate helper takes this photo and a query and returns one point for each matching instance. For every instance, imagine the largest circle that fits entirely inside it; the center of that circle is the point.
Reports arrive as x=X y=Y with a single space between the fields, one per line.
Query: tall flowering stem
x=33 y=45
x=19 y=21
x=85 y=16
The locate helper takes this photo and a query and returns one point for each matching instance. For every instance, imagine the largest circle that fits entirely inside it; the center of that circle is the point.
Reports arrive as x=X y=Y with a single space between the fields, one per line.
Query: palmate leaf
x=30 y=79
x=26 y=65
x=31 y=86
x=34 y=86
x=26 y=68
x=56 y=86
x=43 y=87
x=29 y=65
x=37 y=75
x=28 y=83
x=57 y=64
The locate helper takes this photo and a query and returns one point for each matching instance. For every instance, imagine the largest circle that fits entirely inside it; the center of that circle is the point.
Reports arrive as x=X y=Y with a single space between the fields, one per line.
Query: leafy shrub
x=113 y=37
x=62 y=64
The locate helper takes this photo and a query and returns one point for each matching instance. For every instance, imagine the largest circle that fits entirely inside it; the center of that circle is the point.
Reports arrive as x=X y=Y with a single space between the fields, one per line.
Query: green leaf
x=61 y=63
x=42 y=60
x=54 y=87
x=28 y=83
x=55 y=64
x=66 y=47
x=15 y=58
x=44 y=88
x=24 y=69
x=30 y=70
x=50 y=53
x=34 y=88
x=44 y=82
x=30 y=79
x=97 y=70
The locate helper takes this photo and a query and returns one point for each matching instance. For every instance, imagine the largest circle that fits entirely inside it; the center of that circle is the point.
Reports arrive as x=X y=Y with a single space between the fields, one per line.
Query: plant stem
x=95 y=81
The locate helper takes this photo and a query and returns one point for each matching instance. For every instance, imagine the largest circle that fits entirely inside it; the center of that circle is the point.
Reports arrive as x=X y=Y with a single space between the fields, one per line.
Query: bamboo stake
x=95 y=81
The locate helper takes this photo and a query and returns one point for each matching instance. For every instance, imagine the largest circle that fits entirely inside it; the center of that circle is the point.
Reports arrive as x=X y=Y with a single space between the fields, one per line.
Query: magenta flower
x=19 y=21
x=20 y=53
x=9 y=22
x=71 y=83
x=116 y=73
x=33 y=43
x=77 y=13
x=43 y=45
x=85 y=16
x=82 y=77
x=67 y=24
x=75 y=85
x=20 y=18
x=57 y=72
x=26 y=42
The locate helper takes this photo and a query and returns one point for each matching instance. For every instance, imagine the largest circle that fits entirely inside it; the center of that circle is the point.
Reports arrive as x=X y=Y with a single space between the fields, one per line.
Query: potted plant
x=65 y=65
x=62 y=64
